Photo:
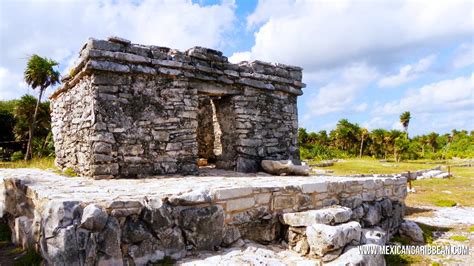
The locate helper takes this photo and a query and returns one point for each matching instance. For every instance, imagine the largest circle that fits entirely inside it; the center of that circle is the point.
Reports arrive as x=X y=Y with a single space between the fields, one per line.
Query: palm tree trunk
x=29 y=151
x=361 y=146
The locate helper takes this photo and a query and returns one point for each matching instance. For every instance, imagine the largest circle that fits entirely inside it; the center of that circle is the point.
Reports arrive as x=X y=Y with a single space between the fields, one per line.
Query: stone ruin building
x=129 y=110
x=132 y=111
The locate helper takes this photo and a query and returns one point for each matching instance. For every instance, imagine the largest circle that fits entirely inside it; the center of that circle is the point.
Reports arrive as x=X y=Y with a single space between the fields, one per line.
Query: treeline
x=16 y=121
x=350 y=140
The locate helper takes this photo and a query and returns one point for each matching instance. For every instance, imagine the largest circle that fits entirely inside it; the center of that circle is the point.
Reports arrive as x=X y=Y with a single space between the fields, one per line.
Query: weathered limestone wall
x=77 y=221
x=73 y=121
x=143 y=110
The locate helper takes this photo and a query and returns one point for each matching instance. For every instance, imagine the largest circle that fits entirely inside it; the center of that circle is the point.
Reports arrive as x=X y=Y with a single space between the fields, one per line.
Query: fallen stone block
x=411 y=230
x=285 y=167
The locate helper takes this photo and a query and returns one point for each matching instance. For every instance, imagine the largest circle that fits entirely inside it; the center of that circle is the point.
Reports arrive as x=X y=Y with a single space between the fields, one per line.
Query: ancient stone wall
x=134 y=110
x=76 y=221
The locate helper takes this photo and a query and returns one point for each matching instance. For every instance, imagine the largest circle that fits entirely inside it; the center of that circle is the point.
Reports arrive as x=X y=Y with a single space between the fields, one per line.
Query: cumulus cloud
x=339 y=95
x=322 y=34
x=446 y=95
x=57 y=29
x=408 y=72
x=464 y=56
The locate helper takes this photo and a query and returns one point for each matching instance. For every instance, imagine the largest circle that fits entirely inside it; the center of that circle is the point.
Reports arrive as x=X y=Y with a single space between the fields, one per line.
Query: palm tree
x=405 y=120
x=39 y=73
x=363 y=133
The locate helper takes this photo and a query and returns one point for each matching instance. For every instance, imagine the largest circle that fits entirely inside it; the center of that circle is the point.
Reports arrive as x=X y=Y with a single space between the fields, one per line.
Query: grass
x=402 y=259
x=41 y=163
x=30 y=258
x=46 y=163
x=471 y=229
x=445 y=203
x=428 y=231
x=459 y=238
x=428 y=191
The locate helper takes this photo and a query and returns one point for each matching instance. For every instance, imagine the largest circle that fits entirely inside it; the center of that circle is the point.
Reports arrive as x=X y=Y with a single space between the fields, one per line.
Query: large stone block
x=329 y=216
x=323 y=238
x=203 y=227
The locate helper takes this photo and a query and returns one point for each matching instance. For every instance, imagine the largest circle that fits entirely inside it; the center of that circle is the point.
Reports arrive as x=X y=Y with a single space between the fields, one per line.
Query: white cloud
x=239 y=57
x=322 y=34
x=339 y=95
x=376 y=122
x=464 y=56
x=408 y=72
x=446 y=95
x=57 y=29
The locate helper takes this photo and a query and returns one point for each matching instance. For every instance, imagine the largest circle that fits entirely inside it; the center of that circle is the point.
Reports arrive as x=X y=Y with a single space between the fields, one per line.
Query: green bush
x=16 y=156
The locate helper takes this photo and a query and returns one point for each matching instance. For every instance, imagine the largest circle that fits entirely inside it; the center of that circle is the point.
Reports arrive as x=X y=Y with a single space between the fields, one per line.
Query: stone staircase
x=333 y=235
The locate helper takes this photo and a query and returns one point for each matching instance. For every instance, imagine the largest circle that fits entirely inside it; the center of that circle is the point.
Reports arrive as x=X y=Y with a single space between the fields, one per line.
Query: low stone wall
x=77 y=221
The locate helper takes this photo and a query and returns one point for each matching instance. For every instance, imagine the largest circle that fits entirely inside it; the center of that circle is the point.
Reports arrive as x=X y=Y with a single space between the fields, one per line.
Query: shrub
x=16 y=156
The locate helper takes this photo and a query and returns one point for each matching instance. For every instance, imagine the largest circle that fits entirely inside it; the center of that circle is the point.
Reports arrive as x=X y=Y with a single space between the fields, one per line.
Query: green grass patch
x=428 y=191
x=459 y=238
x=471 y=229
x=428 y=231
x=69 y=172
x=31 y=258
x=402 y=259
x=435 y=263
x=15 y=251
x=445 y=203
x=41 y=163
x=403 y=240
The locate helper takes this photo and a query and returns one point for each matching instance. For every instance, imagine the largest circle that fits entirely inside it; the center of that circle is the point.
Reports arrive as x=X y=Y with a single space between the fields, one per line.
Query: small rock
x=412 y=230
x=373 y=235
x=93 y=218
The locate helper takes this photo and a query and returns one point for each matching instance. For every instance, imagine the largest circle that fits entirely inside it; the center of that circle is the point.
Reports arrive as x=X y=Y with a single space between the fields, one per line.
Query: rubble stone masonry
x=129 y=110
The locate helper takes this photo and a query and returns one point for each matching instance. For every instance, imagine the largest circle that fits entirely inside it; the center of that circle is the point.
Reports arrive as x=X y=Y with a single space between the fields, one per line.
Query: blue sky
x=366 y=61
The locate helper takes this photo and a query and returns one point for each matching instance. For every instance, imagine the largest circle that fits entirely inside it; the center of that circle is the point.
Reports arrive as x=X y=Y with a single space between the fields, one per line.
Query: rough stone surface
x=374 y=235
x=149 y=219
x=412 y=230
x=325 y=238
x=352 y=256
x=331 y=216
x=130 y=110
x=284 y=167
x=93 y=218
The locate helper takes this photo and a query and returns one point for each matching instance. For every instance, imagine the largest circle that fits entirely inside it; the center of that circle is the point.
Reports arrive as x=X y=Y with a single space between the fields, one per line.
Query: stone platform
x=79 y=221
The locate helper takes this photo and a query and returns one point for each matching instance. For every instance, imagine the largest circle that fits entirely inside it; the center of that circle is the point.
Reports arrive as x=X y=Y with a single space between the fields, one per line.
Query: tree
x=405 y=120
x=432 y=141
x=363 y=132
x=39 y=73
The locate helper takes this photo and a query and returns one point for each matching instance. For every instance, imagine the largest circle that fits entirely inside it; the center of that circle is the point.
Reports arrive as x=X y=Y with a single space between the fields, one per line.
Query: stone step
x=329 y=240
x=329 y=216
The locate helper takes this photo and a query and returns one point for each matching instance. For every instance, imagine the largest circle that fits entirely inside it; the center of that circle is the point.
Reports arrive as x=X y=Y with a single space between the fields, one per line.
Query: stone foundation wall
x=142 y=111
x=124 y=229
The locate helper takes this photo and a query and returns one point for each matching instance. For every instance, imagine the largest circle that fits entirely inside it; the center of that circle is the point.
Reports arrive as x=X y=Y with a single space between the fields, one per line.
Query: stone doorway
x=215 y=132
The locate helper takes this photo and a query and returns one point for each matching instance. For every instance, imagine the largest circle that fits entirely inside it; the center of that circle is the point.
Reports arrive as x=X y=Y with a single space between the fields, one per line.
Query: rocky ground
x=449 y=226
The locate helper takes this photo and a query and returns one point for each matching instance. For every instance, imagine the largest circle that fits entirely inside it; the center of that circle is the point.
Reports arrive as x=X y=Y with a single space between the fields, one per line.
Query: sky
x=366 y=60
